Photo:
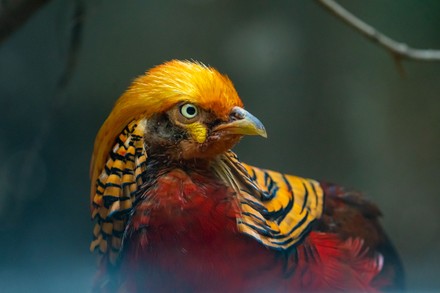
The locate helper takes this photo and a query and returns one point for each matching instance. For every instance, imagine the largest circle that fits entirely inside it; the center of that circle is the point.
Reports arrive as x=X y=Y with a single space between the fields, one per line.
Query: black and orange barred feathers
x=116 y=189
x=276 y=209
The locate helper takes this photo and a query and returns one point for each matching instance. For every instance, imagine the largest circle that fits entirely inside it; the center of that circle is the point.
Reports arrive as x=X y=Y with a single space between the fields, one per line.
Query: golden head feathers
x=158 y=90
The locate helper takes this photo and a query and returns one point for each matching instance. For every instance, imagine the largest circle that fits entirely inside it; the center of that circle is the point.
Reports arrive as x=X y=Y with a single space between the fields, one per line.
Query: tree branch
x=398 y=50
x=14 y=13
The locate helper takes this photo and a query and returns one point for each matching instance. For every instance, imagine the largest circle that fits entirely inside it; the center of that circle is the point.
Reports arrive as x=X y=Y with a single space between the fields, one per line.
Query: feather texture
x=275 y=209
x=193 y=223
x=116 y=190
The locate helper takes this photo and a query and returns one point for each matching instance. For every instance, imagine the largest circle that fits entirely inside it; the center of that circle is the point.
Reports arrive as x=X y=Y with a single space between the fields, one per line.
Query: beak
x=242 y=122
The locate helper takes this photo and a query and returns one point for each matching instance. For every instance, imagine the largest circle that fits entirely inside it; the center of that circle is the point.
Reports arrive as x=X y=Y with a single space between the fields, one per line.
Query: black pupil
x=190 y=111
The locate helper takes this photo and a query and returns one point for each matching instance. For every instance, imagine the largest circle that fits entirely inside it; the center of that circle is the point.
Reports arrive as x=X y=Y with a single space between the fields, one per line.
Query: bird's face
x=188 y=131
x=190 y=111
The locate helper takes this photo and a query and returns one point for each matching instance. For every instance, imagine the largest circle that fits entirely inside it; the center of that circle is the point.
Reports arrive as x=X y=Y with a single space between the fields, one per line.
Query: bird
x=175 y=210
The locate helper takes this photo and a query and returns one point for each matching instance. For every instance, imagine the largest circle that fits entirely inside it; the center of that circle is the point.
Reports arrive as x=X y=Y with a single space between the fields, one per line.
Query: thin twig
x=399 y=50
x=74 y=44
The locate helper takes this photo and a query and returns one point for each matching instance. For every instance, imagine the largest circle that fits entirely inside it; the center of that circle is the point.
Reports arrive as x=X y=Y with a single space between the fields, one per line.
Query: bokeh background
x=335 y=106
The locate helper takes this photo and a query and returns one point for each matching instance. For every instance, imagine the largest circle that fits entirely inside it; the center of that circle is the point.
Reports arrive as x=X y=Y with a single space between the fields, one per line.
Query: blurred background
x=336 y=107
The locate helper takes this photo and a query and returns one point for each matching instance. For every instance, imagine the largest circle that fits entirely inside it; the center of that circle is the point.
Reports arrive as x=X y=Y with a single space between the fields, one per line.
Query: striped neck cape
x=277 y=210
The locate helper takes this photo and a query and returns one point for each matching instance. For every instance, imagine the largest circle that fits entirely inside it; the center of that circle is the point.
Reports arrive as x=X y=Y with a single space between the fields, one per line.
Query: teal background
x=334 y=105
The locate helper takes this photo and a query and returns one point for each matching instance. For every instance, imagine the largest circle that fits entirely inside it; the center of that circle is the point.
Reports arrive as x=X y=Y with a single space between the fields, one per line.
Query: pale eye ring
x=189 y=111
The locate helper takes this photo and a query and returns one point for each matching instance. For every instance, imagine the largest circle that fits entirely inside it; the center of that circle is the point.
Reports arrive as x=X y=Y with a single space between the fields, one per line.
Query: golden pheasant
x=176 y=211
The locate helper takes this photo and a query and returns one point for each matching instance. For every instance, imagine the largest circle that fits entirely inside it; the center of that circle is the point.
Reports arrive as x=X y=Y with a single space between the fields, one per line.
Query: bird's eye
x=189 y=111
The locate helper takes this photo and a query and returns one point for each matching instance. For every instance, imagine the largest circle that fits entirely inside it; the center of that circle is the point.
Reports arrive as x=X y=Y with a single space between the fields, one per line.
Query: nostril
x=237 y=114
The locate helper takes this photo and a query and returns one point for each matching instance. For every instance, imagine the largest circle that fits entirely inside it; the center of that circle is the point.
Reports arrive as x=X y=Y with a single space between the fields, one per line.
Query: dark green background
x=334 y=105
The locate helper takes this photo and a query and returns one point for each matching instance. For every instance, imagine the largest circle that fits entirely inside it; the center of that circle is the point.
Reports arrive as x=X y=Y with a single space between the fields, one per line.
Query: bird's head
x=190 y=111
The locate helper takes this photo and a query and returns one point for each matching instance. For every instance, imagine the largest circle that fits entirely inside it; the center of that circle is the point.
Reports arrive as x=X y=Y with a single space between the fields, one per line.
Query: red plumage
x=183 y=237
x=176 y=210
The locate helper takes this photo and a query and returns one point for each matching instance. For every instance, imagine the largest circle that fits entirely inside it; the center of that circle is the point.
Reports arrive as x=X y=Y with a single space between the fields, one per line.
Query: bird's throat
x=184 y=206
